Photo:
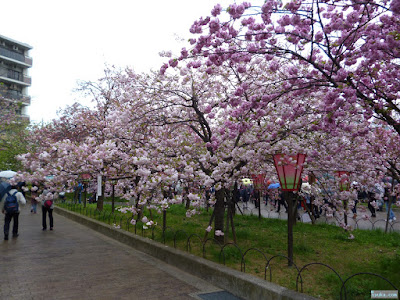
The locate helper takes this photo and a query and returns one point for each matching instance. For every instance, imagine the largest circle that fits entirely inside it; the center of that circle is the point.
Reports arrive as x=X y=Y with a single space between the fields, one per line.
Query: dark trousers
x=281 y=202
x=313 y=209
x=371 y=208
x=7 y=221
x=44 y=212
x=354 y=209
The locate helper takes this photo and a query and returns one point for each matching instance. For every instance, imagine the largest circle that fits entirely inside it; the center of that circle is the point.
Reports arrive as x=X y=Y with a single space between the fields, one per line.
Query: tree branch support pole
x=209 y=224
x=228 y=219
x=113 y=196
x=259 y=195
x=233 y=226
x=84 y=194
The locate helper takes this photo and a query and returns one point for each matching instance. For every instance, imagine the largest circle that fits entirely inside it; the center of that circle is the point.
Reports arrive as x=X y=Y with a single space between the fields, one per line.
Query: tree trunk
x=219 y=213
x=207 y=192
x=164 y=217
x=187 y=206
x=230 y=214
x=113 y=198
x=140 y=211
x=308 y=211
x=75 y=199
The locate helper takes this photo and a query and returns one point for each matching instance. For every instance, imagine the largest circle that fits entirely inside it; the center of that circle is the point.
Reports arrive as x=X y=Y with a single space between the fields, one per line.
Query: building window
x=14 y=75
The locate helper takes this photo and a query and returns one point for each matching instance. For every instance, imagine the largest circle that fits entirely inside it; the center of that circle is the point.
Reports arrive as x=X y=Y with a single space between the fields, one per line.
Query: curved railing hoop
x=188 y=240
x=243 y=262
x=176 y=233
x=363 y=273
x=275 y=256
x=313 y=263
x=229 y=244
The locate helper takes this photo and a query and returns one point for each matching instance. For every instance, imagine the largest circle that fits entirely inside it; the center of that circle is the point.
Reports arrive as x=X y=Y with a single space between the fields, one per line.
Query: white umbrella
x=7 y=174
x=306 y=187
x=247 y=181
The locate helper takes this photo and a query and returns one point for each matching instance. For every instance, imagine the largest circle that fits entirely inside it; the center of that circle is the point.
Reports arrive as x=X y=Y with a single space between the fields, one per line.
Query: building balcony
x=16 y=57
x=17 y=97
x=24 y=118
x=27 y=79
x=15 y=77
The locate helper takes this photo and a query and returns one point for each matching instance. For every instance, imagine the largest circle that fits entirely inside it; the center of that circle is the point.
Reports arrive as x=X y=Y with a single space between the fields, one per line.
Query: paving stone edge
x=240 y=284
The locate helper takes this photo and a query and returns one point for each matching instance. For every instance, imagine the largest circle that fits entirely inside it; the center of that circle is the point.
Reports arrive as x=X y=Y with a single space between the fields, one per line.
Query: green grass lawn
x=370 y=251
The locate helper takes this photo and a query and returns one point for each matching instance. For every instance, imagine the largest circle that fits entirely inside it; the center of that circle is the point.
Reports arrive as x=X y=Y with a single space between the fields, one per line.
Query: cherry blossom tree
x=349 y=50
x=255 y=119
x=238 y=100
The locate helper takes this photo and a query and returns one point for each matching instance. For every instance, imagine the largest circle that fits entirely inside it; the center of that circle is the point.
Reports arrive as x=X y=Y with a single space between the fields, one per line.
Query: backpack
x=48 y=203
x=11 y=203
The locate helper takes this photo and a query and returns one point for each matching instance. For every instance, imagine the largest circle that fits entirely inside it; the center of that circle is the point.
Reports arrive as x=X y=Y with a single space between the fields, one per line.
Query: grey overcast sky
x=74 y=40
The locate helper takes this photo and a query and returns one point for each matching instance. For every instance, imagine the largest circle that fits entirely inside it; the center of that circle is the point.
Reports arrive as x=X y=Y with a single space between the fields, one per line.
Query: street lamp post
x=289 y=169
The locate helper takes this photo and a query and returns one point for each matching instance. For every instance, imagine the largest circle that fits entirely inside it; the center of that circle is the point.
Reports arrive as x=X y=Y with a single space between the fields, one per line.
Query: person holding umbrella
x=4 y=188
x=11 y=201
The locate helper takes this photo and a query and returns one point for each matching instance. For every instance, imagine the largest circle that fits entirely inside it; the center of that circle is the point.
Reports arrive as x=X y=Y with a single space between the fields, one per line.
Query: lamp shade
x=289 y=169
x=86 y=176
x=258 y=181
x=344 y=180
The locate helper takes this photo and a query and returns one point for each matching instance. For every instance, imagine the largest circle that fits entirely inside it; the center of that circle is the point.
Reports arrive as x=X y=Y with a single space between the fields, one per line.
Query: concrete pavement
x=75 y=262
x=379 y=222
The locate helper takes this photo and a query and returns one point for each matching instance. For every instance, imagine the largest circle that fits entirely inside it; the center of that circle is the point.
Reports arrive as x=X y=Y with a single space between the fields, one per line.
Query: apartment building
x=14 y=66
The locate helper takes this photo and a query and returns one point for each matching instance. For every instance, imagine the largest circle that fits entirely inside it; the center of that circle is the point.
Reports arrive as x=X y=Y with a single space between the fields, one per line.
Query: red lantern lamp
x=289 y=169
x=86 y=177
x=344 y=183
x=259 y=181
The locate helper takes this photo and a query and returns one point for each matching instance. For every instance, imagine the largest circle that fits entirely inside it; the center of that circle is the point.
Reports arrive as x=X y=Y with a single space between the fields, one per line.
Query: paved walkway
x=74 y=262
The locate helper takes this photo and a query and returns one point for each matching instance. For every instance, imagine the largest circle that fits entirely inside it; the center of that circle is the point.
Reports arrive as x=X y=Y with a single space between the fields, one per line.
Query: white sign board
x=98 y=185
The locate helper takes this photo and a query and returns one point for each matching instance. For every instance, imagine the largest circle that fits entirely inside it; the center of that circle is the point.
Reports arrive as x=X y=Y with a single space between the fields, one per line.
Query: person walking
x=244 y=195
x=360 y=198
x=371 y=208
x=256 y=197
x=11 y=209
x=80 y=190
x=34 y=202
x=281 y=201
x=386 y=199
x=47 y=207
